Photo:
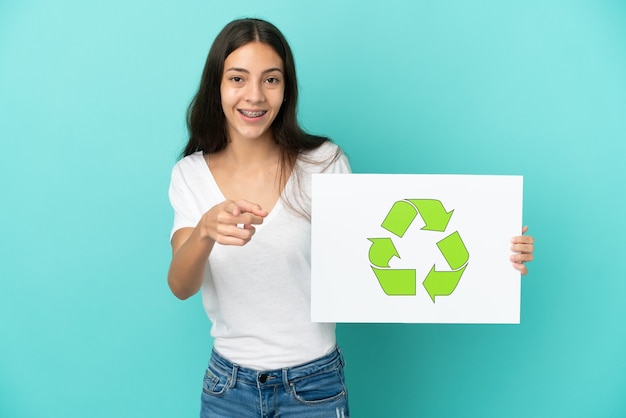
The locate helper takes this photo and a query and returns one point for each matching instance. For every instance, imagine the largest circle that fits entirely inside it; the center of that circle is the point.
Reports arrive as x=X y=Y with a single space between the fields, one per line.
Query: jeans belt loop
x=341 y=359
x=286 y=384
x=233 y=376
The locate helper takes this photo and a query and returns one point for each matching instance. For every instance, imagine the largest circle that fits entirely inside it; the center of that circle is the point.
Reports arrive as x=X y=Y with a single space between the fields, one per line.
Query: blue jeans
x=312 y=390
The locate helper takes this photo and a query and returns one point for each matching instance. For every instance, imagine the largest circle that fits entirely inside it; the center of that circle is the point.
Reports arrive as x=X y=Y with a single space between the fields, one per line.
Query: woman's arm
x=189 y=255
x=192 y=246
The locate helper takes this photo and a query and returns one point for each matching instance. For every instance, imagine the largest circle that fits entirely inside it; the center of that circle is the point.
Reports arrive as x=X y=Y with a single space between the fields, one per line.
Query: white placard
x=415 y=248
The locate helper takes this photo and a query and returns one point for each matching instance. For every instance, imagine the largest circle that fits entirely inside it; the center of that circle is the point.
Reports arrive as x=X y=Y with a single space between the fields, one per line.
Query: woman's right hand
x=231 y=222
x=228 y=223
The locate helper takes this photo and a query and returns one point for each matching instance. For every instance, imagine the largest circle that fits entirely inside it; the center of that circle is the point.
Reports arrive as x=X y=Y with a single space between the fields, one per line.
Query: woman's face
x=252 y=89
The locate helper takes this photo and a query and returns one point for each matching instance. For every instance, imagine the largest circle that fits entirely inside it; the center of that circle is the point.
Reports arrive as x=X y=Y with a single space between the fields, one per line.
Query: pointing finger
x=236 y=208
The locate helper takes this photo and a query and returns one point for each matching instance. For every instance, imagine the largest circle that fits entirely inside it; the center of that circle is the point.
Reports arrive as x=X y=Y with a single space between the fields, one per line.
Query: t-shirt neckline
x=278 y=206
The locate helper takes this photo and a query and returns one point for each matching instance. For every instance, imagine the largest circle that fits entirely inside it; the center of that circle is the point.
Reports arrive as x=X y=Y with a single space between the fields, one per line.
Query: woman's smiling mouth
x=252 y=114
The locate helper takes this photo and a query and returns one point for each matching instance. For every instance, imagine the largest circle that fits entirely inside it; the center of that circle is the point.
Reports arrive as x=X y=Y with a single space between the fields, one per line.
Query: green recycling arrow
x=442 y=283
x=381 y=251
x=396 y=282
x=433 y=213
x=453 y=250
x=403 y=212
x=399 y=218
x=452 y=247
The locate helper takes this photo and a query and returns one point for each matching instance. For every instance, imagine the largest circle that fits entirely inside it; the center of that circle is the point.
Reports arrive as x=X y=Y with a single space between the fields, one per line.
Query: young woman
x=241 y=234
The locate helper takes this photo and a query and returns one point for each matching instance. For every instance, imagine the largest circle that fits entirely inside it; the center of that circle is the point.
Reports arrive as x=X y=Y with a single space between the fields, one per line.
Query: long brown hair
x=206 y=121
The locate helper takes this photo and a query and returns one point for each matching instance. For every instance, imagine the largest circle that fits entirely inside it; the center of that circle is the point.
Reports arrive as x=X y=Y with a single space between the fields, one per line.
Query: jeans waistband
x=278 y=376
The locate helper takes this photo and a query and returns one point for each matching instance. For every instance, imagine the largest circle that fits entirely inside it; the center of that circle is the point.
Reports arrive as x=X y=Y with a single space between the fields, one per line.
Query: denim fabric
x=312 y=390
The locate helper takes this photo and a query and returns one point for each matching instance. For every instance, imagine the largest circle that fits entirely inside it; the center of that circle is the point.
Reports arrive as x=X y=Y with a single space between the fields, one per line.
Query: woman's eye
x=236 y=79
x=272 y=80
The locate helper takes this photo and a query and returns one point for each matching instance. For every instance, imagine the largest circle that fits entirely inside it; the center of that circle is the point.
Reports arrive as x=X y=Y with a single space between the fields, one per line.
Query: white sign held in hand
x=415 y=248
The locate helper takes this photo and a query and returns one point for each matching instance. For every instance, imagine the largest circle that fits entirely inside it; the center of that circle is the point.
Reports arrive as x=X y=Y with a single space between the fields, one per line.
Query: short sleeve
x=182 y=201
x=341 y=165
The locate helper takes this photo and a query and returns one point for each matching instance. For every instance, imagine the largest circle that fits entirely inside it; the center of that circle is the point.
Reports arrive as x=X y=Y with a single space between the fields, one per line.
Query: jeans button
x=263 y=378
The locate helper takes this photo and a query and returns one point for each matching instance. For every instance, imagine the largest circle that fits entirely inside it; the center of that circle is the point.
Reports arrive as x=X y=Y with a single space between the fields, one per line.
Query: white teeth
x=252 y=114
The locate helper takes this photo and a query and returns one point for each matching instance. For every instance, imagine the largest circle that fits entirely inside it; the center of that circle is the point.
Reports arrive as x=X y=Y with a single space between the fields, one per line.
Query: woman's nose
x=254 y=93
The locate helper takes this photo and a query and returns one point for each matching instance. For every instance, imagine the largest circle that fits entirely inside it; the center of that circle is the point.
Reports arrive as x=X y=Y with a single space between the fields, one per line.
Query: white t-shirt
x=258 y=296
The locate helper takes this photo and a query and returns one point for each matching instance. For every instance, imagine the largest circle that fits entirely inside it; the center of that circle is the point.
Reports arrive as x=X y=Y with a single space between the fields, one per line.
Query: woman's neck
x=250 y=152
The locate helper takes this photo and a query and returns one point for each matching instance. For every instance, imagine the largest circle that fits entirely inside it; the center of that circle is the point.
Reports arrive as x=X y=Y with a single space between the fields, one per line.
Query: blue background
x=92 y=102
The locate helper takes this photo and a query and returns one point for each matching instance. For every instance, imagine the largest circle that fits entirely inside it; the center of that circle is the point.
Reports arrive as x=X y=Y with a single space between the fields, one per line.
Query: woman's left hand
x=523 y=245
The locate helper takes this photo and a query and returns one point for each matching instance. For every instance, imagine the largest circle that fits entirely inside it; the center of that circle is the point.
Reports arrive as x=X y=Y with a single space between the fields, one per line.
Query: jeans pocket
x=325 y=386
x=214 y=382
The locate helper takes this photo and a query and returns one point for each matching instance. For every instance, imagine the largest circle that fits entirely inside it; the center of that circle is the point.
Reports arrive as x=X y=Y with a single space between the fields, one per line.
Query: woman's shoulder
x=190 y=163
x=327 y=157
x=326 y=150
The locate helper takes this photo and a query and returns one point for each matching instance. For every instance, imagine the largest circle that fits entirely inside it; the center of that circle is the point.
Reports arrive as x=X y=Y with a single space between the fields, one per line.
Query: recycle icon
x=403 y=282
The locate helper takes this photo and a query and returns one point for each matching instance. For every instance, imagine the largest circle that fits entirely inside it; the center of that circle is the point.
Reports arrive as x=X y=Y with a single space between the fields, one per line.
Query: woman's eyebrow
x=243 y=70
